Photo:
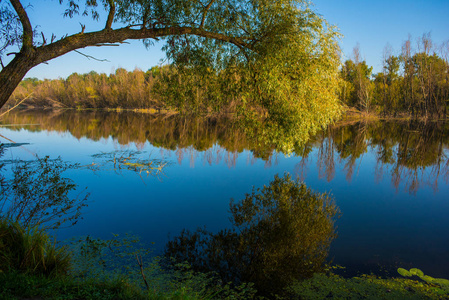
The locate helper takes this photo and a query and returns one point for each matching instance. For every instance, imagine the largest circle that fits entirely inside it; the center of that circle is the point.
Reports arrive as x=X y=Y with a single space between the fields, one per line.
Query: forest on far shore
x=413 y=83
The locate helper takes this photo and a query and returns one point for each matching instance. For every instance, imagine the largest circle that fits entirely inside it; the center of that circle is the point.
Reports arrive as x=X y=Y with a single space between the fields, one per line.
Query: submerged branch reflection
x=414 y=154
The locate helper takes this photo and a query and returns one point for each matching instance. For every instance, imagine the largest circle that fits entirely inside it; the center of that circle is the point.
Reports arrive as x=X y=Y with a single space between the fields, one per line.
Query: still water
x=389 y=179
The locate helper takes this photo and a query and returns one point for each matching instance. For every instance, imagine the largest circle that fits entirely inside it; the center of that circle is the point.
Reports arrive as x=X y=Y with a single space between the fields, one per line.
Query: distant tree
x=362 y=82
x=347 y=89
x=357 y=90
x=387 y=92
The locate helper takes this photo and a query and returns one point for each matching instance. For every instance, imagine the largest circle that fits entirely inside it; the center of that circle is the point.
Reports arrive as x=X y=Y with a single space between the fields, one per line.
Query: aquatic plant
x=444 y=283
x=331 y=286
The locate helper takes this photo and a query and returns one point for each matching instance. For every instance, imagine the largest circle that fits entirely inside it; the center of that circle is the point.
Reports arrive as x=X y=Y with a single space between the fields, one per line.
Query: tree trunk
x=12 y=75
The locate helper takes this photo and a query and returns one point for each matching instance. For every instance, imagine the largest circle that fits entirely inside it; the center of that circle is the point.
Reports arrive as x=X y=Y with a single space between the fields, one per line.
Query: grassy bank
x=34 y=267
x=15 y=285
x=351 y=114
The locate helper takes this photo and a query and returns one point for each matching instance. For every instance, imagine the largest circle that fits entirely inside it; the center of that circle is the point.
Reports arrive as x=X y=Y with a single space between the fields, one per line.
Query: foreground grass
x=15 y=285
x=33 y=267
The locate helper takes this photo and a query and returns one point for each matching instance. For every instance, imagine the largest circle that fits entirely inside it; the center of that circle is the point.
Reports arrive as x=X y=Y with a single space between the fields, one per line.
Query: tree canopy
x=282 y=56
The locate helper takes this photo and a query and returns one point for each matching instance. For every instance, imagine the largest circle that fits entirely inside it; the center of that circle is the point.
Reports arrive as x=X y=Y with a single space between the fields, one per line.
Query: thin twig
x=44 y=41
x=90 y=57
x=140 y=262
x=16 y=105
x=29 y=151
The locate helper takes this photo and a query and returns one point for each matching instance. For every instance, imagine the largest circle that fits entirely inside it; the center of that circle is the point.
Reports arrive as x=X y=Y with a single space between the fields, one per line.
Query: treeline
x=163 y=87
x=414 y=82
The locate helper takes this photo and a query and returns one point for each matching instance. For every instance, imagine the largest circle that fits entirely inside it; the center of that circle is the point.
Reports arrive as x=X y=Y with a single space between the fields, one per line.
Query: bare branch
x=20 y=102
x=206 y=10
x=140 y=262
x=44 y=41
x=27 y=39
x=83 y=27
x=89 y=56
x=107 y=44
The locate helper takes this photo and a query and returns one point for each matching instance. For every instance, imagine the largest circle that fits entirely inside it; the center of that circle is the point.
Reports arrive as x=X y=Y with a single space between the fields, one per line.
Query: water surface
x=390 y=179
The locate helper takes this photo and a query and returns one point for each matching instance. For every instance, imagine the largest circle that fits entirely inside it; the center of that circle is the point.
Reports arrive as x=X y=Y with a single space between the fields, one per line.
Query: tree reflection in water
x=280 y=233
x=413 y=153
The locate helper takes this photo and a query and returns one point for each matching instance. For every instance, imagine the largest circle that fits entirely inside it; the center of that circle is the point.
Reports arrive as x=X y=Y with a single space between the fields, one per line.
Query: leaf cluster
x=10 y=27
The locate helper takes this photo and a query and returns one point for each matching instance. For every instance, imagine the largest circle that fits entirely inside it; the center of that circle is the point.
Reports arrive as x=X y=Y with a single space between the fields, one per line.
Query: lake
x=389 y=179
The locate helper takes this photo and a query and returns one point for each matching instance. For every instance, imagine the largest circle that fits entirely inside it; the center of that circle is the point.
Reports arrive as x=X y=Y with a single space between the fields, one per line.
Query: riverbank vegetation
x=89 y=273
x=413 y=84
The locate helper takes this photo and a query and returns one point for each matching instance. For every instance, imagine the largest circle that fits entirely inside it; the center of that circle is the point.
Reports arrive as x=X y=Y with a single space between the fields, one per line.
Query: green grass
x=17 y=285
x=30 y=250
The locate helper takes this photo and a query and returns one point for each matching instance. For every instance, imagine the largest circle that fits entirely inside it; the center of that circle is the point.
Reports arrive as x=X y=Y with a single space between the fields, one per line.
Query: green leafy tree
x=283 y=56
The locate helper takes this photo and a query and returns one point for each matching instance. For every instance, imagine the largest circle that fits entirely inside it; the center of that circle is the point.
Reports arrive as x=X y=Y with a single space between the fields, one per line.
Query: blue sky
x=372 y=24
x=375 y=23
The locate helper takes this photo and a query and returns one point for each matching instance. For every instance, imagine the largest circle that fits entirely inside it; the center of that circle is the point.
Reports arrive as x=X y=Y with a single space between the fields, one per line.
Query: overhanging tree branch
x=111 y=36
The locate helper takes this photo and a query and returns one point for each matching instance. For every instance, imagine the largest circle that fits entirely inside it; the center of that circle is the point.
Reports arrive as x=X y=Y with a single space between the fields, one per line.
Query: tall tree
x=362 y=81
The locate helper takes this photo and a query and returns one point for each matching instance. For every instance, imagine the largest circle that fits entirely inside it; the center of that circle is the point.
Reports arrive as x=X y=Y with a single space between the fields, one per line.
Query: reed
x=30 y=250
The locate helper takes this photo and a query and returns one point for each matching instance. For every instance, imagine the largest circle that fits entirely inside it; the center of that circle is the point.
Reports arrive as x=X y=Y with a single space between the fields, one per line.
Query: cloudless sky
x=372 y=24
